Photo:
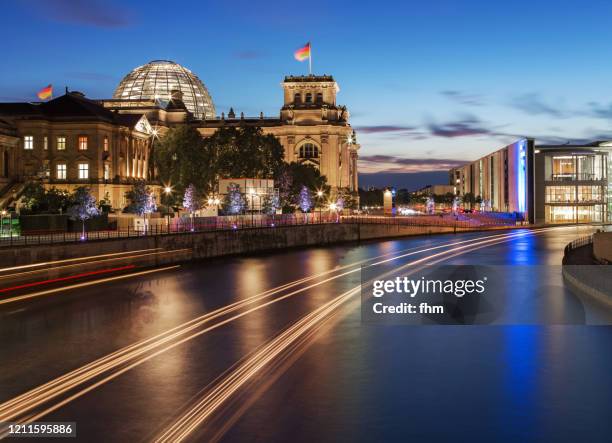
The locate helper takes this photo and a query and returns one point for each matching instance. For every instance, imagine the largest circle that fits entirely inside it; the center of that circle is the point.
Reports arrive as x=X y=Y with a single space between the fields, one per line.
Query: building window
x=308 y=97
x=319 y=97
x=106 y=171
x=46 y=143
x=589 y=194
x=28 y=142
x=308 y=150
x=61 y=143
x=82 y=143
x=106 y=144
x=83 y=170
x=61 y=171
x=297 y=98
x=560 y=194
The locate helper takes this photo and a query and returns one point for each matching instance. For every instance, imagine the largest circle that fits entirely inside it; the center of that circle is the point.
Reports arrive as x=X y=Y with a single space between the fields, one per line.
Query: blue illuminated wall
x=521 y=175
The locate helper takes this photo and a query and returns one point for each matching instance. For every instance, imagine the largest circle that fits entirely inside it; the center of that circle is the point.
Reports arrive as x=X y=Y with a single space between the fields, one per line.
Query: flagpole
x=309 y=59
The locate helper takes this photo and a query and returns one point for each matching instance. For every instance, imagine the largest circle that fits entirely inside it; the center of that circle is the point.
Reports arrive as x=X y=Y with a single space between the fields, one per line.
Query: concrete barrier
x=201 y=245
x=602 y=246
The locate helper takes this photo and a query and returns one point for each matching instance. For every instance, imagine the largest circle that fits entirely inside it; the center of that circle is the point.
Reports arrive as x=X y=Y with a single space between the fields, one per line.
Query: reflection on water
x=355 y=383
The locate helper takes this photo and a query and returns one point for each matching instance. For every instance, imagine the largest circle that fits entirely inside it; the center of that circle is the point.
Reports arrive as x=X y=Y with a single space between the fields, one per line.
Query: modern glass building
x=546 y=183
x=157 y=79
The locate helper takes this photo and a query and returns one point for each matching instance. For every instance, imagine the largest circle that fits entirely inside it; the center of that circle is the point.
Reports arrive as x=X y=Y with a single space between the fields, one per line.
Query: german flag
x=303 y=53
x=45 y=93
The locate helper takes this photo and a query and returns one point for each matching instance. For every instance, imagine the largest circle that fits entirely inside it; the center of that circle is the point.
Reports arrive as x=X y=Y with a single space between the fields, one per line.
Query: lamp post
x=319 y=195
x=168 y=191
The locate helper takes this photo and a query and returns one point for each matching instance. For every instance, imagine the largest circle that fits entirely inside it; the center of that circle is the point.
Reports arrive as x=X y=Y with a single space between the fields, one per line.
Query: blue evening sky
x=428 y=83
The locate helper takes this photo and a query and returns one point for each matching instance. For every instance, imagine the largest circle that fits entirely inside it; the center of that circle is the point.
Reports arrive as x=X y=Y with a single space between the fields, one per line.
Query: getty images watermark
x=471 y=294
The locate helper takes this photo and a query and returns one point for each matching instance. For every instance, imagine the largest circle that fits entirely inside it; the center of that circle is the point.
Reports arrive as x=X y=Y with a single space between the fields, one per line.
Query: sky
x=429 y=84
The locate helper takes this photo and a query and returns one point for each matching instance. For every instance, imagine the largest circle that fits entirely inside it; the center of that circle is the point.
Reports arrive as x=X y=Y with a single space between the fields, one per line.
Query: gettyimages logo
x=413 y=288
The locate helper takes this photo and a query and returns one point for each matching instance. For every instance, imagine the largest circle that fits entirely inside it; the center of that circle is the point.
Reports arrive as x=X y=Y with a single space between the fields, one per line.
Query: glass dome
x=158 y=78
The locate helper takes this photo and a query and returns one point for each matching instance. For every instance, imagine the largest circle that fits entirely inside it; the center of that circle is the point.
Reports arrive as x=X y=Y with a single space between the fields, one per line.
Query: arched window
x=308 y=150
x=308 y=97
x=319 y=97
x=297 y=98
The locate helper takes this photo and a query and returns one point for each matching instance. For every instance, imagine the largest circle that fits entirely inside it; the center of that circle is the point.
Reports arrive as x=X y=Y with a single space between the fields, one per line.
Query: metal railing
x=186 y=225
x=578 y=243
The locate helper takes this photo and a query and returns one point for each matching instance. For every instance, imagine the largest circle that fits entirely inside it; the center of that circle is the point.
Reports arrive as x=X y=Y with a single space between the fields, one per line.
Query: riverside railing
x=186 y=225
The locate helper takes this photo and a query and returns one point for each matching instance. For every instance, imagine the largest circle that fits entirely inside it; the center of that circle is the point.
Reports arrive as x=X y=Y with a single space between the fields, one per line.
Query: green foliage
x=370 y=197
x=246 y=152
x=292 y=177
x=104 y=205
x=345 y=198
x=182 y=157
x=37 y=200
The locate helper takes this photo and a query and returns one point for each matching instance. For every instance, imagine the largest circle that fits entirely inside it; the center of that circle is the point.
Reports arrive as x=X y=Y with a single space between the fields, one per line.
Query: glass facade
x=156 y=80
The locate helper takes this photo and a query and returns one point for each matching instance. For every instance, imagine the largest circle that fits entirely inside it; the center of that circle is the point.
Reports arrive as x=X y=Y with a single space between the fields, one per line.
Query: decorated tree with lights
x=271 y=203
x=83 y=206
x=142 y=200
x=234 y=202
x=191 y=201
x=304 y=199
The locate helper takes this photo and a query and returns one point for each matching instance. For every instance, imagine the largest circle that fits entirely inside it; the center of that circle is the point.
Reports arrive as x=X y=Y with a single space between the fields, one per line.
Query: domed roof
x=158 y=78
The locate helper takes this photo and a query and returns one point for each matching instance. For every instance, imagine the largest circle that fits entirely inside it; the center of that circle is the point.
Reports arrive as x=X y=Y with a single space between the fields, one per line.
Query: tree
x=270 y=204
x=182 y=157
x=83 y=206
x=191 y=201
x=234 y=202
x=292 y=177
x=345 y=199
x=246 y=152
x=37 y=200
x=142 y=200
x=305 y=199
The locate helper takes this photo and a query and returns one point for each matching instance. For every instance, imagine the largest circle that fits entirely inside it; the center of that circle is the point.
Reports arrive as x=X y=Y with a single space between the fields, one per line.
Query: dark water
x=355 y=382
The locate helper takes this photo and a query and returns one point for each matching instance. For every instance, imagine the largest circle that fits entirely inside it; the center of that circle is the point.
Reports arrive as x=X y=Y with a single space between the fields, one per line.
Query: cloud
x=463 y=98
x=469 y=126
x=248 y=55
x=600 y=111
x=102 y=14
x=533 y=104
x=394 y=164
x=382 y=128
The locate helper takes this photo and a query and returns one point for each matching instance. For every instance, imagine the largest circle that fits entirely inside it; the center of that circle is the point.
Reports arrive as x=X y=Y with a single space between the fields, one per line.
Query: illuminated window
x=105 y=143
x=589 y=194
x=106 y=171
x=83 y=170
x=61 y=171
x=560 y=194
x=61 y=143
x=82 y=142
x=46 y=143
x=28 y=142
x=308 y=150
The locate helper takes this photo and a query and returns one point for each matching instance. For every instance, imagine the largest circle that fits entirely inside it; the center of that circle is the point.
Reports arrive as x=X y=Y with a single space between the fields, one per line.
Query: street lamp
x=319 y=195
x=168 y=191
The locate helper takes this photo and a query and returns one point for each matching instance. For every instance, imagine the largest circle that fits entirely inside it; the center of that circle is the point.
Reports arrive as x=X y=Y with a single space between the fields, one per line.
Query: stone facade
x=73 y=141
